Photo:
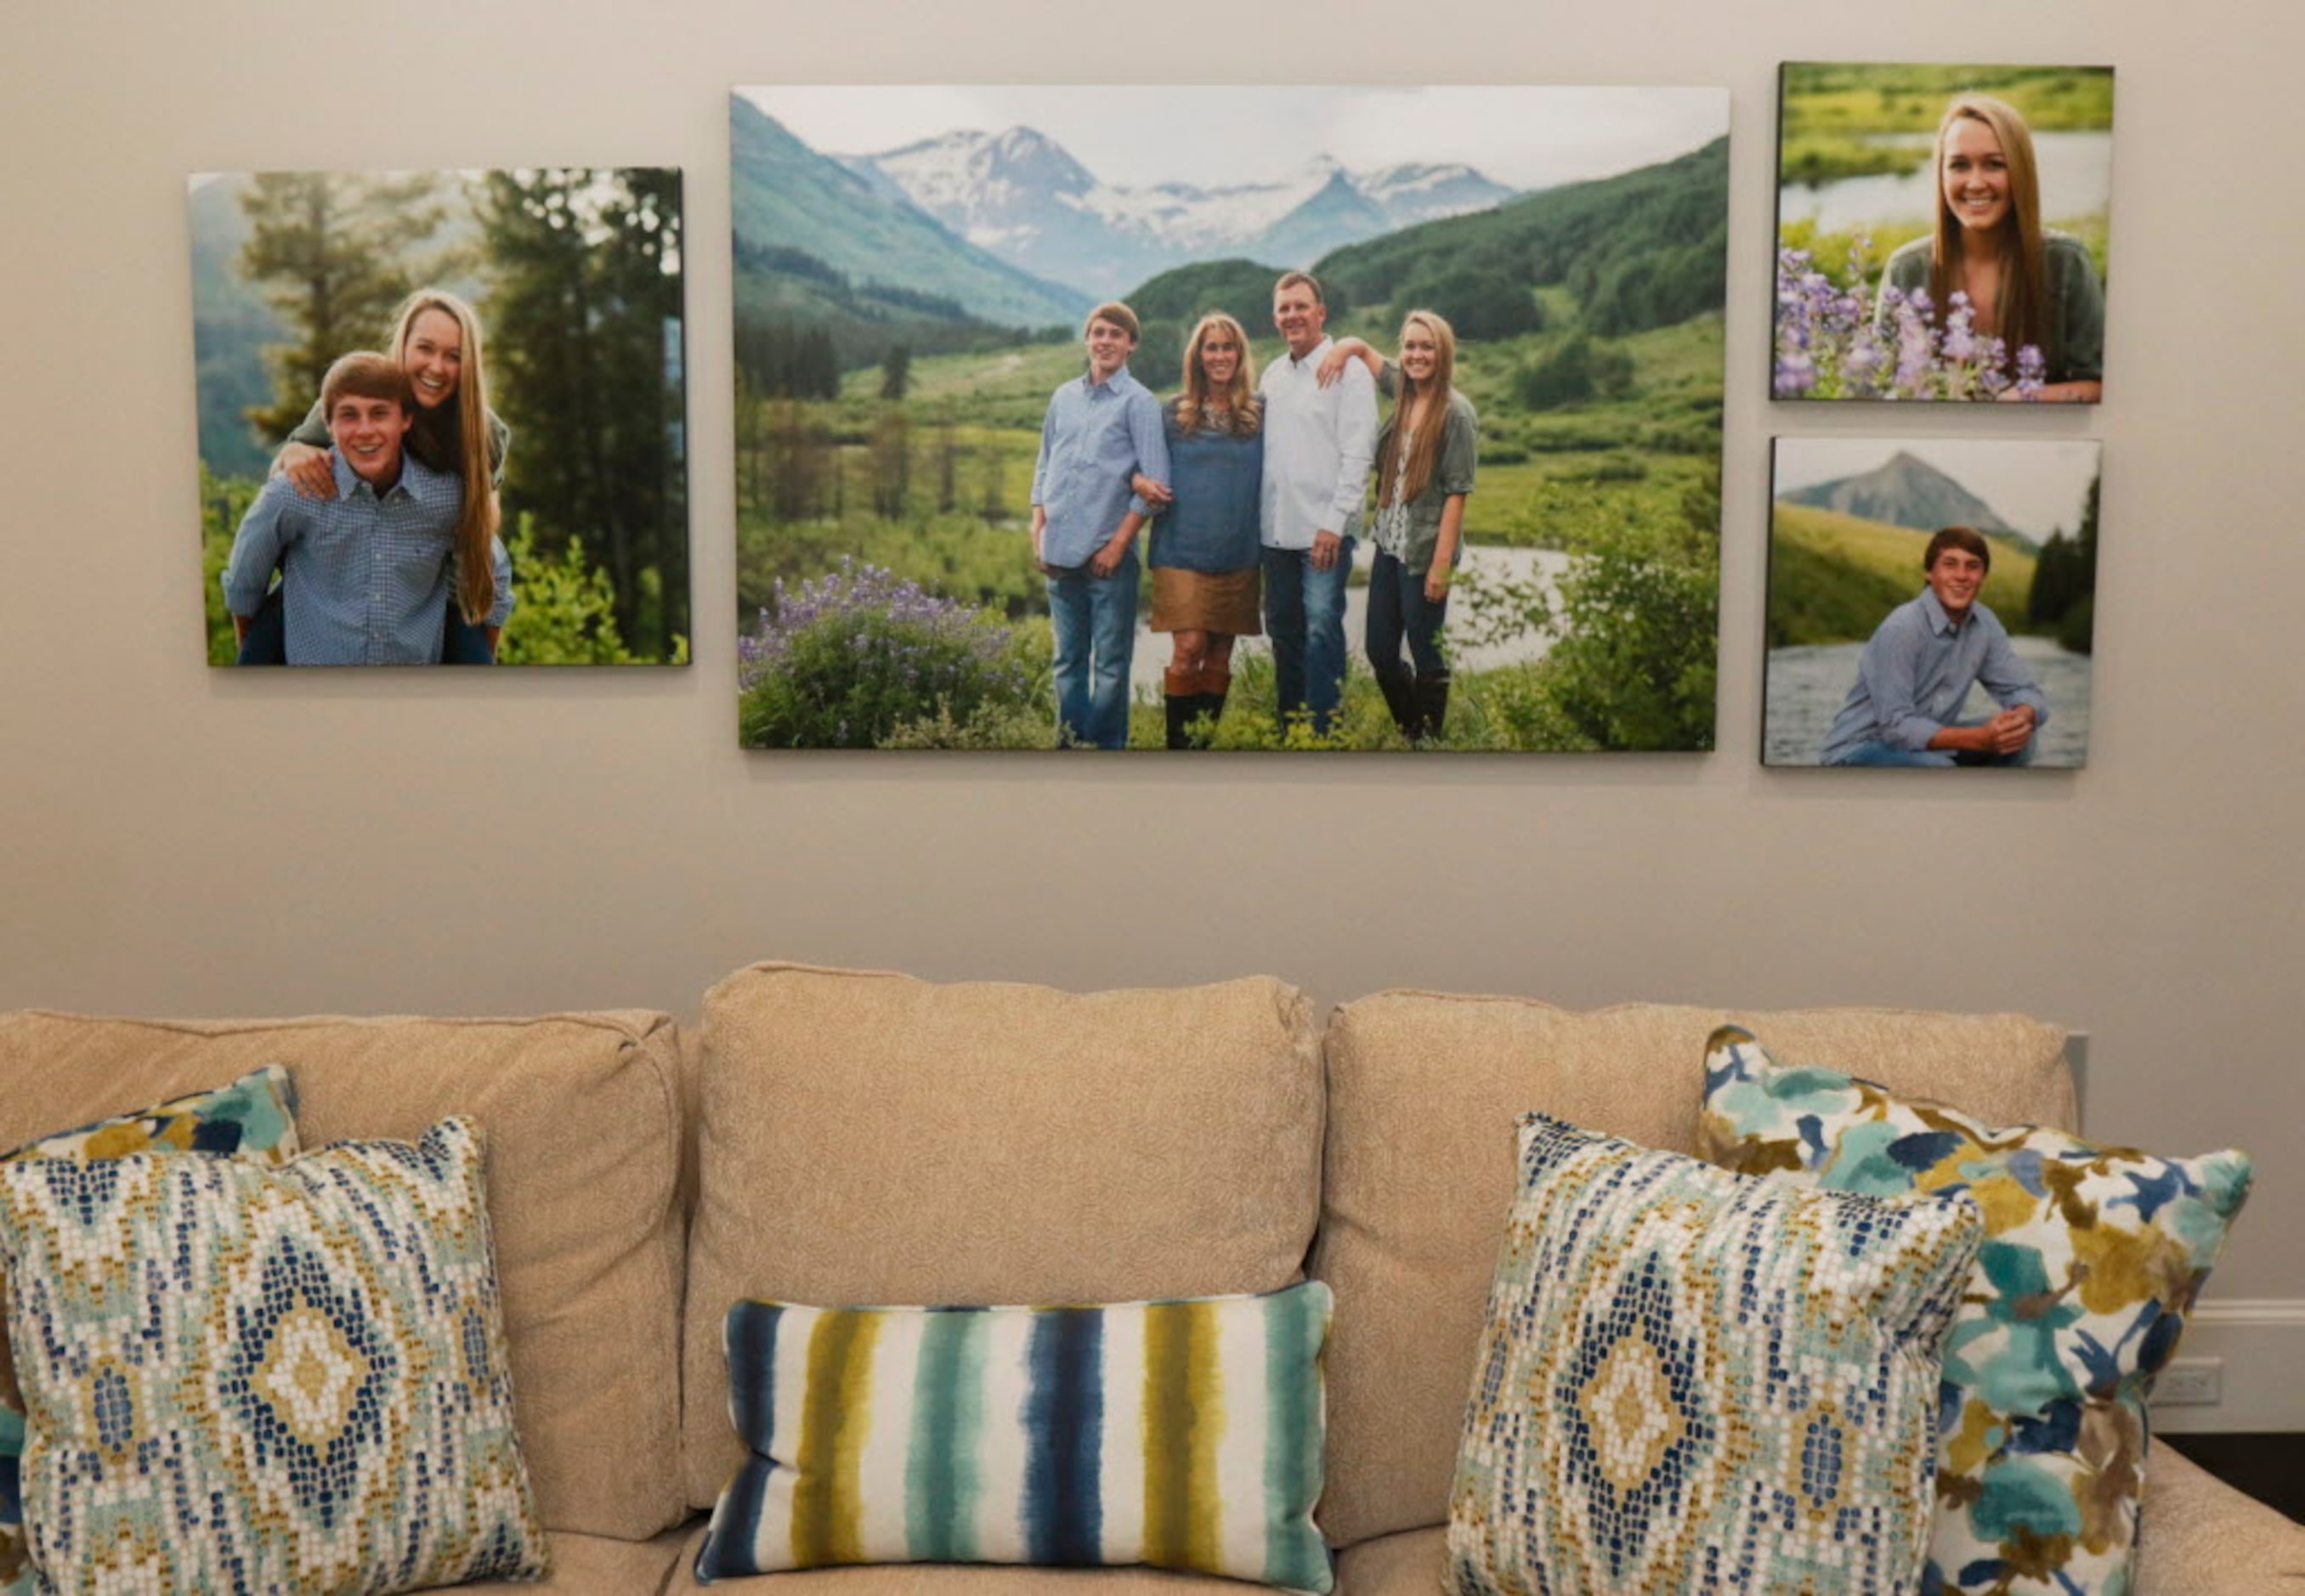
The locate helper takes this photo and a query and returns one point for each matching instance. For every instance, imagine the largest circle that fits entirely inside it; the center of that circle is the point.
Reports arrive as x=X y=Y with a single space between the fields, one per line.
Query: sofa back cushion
x=1425 y=1090
x=582 y=1121
x=873 y=1139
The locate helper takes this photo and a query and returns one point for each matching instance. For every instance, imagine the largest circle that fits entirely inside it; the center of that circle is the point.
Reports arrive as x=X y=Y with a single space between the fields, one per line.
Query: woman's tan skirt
x=1197 y=601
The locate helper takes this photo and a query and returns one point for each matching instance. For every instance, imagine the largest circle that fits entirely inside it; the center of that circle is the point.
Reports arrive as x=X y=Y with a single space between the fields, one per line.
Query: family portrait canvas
x=1931 y=603
x=1942 y=232
x=1181 y=419
x=442 y=416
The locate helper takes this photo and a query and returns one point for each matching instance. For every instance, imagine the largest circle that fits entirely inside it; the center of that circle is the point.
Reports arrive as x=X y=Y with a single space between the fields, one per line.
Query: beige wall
x=185 y=840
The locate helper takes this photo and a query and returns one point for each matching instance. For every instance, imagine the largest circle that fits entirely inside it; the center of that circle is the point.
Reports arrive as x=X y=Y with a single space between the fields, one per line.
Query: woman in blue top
x=1203 y=554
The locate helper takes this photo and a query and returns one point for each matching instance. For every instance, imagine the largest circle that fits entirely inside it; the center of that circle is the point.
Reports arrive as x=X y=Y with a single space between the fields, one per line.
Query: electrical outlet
x=2191 y=1382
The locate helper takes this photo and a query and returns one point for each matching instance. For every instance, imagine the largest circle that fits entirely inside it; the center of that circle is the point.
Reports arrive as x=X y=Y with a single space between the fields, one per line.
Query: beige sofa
x=843 y=1137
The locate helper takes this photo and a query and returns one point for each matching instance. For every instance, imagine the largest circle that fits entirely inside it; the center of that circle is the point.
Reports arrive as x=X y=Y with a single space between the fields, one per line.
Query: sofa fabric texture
x=1425 y=1090
x=871 y=1140
x=584 y=1132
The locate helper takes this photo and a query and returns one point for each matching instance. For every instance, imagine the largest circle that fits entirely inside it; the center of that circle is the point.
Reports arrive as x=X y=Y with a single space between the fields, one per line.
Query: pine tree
x=334 y=253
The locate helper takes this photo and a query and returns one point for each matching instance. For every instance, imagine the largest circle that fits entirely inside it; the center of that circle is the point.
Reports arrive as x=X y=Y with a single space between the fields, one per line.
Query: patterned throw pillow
x=253 y=1119
x=2092 y=1259
x=1693 y=1381
x=1184 y=1435
x=307 y=1389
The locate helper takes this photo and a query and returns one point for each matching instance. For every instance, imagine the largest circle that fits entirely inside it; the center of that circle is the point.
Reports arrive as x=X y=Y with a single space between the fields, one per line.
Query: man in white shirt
x=1318 y=444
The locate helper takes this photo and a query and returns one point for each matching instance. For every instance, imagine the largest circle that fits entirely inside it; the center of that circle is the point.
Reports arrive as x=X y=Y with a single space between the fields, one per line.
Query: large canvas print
x=442 y=416
x=1932 y=603
x=1942 y=232
x=1202 y=418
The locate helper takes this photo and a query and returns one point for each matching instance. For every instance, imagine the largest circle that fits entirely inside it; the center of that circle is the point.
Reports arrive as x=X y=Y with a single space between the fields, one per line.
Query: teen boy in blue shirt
x=364 y=576
x=1916 y=671
x=1101 y=429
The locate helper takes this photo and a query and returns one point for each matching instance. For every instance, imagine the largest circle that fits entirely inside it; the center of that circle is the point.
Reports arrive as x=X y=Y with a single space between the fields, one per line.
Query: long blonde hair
x=1240 y=393
x=2021 y=316
x=1425 y=449
x=476 y=520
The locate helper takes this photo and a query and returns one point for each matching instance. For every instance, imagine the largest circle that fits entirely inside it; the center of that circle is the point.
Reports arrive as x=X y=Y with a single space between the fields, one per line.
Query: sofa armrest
x=2201 y=1537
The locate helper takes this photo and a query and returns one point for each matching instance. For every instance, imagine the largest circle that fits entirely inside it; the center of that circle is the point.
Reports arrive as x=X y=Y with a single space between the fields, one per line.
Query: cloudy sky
x=1215 y=136
x=2036 y=486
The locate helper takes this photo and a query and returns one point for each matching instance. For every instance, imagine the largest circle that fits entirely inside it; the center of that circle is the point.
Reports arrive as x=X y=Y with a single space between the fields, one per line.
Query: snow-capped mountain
x=1020 y=196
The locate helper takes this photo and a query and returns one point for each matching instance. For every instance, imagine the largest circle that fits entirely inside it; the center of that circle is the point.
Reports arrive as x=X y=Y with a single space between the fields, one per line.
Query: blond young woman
x=1426 y=457
x=1205 y=552
x=2026 y=284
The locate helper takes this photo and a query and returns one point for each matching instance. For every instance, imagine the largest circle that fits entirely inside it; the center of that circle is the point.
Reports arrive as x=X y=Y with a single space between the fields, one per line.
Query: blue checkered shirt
x=364 y=577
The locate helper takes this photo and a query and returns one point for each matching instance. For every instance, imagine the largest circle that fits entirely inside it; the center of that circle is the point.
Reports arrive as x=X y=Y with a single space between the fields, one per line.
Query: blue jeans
x=1885 y=754
x=1305 y=619
x=1399 y=609
x=1094 y=619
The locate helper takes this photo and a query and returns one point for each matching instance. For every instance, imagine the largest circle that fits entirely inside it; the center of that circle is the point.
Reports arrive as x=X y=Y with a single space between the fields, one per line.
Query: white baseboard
x=2260 y=1342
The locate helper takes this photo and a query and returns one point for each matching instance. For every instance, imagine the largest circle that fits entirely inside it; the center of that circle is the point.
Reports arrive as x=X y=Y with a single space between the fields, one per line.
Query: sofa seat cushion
x=955 y=1579
x=867 y=1139
x=1423 y=1092
x=2200 y=1537
x=596 y=1565
x=581 y=1120
x=1404 y=1563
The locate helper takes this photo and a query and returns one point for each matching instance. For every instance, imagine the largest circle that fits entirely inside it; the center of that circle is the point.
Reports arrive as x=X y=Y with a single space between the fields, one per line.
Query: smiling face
x=433 y=354
x=1973 y=170
x=1300 y=316
x=369 y=433
x=1420 y=352
x=1219 y=357
x=1109 y=345
x=1956 y=576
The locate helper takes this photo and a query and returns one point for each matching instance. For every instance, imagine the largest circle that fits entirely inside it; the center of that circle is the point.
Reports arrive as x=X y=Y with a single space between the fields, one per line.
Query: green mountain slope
x=1642 y=250
x=1833 y=577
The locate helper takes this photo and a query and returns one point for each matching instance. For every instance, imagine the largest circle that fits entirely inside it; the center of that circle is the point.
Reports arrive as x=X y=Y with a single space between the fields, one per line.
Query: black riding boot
x=1398 y=687
x=1432 y=700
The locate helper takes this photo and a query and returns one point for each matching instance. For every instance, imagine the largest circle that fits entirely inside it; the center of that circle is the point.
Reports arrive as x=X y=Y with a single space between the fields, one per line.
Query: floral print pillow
x=2093 y=1256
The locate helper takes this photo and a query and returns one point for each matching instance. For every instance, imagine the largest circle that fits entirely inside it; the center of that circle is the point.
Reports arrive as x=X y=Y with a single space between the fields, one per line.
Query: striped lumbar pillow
x=1183 y=1435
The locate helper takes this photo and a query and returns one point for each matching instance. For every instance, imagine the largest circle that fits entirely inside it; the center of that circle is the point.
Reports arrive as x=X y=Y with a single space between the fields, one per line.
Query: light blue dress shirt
x=1917 y=670
x=364 y=577
x=1095 y=437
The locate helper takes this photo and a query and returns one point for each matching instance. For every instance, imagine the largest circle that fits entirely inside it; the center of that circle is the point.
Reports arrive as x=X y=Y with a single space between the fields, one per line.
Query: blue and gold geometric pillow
x=243 y=1378
x=253 y=1119
x=2092 y=1259
x=1690 y=1381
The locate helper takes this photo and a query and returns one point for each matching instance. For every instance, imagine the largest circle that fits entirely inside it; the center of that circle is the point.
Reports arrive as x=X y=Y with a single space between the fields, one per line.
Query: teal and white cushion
x=1183 y=1435
x=242 y=1378
x=253 y=1119
x=2092 y=1259
x=1690 y=1381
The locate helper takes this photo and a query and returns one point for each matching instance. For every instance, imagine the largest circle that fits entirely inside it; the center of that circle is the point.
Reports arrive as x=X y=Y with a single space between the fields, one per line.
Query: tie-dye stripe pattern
x=1184 y=1435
